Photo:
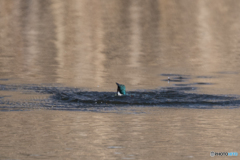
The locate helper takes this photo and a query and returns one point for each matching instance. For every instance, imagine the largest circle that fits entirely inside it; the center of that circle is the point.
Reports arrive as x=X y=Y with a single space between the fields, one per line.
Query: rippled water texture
x=64 y=98
x=60 y=61
x=93 y=44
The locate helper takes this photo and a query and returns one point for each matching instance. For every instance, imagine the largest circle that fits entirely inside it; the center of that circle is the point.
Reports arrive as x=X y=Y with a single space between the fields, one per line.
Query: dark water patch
x=192 y=84
x=175 y=80
x=206 y=77
x=182 y=88
x=171 y=96
x=63 y=98
x=203 y=83
x=9 y=87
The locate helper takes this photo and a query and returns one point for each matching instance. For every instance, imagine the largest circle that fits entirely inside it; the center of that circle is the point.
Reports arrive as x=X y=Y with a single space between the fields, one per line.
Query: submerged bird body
x=121 y=90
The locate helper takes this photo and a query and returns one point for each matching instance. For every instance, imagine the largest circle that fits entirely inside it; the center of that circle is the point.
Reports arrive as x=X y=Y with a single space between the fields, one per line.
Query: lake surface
x=60 y=61
x=146 y=133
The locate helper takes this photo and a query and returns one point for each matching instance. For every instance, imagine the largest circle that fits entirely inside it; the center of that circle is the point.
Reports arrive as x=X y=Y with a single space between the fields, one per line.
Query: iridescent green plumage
x=121 y=90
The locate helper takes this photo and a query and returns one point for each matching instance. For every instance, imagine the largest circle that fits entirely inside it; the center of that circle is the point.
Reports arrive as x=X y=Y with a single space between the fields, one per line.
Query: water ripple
x=63 y=98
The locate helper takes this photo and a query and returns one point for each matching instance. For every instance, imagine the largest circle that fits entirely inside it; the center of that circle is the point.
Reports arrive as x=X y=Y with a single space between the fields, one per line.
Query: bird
x=121 y=90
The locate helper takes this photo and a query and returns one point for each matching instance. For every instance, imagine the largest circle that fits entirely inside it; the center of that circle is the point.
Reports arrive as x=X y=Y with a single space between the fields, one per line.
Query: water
x=65 y=98
x=60 y=61
x=158 y=132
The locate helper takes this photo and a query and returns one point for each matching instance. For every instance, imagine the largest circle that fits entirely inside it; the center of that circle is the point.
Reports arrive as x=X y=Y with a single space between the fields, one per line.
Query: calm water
x=155 y=133
x=59 y=61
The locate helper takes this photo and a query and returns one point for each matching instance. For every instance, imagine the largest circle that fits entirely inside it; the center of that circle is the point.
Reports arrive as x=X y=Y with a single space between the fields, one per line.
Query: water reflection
x=91 y=44
x=165 y=133
x=95 y=43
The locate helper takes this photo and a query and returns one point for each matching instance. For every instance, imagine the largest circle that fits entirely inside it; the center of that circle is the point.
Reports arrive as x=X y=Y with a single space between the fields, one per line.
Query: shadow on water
x=64 y=98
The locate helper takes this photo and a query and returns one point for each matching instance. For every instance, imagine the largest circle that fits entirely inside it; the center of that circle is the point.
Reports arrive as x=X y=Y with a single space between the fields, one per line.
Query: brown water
x=156 y=134
x=53 y=51
x=94 y=43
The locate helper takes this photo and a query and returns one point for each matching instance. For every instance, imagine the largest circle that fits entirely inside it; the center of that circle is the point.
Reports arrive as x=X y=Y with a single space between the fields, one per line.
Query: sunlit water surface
x=136 y=133
x=60 y=60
